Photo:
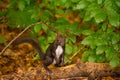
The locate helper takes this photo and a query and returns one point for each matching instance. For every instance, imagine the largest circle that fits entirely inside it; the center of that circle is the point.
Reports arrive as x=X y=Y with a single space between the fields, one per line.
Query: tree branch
x=18 y=36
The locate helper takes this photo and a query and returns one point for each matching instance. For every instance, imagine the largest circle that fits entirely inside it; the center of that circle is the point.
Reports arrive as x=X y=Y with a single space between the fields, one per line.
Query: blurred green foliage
x=102 y=42
x=2 y=39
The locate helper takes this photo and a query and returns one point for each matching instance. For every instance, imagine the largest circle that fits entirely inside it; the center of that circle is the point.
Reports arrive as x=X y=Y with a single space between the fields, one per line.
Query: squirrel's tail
x=34 y=42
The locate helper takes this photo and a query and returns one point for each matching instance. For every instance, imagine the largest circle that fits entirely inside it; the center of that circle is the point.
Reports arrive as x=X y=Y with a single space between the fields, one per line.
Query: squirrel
x=54 y=53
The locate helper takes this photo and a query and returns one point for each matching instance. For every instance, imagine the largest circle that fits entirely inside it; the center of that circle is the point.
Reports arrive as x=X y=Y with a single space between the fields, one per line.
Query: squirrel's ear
x=57 y=35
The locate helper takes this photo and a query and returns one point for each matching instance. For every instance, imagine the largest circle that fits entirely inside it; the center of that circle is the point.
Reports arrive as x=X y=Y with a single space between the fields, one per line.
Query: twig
x=74 y=55
x=18 y=36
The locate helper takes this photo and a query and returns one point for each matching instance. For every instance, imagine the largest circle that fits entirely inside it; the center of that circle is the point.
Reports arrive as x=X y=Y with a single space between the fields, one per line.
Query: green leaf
x=43 y=43
x=34 y=13
x=1 y=39
x=12 y=4
x=46 y=15
x=116 y=47
x=109 y=53
x=27 y=1
x=2 y=14
x=115 y=61
x=69 y=49
x=21 y=18
x=82 y=4
x=99 y=1
x=73 y=38
x=110 y=30
x=61 y=24
x=74 y=29
x=75 y=1
x=58 y=2
x=101 y=58
x=42 y=40
x=100 y=16
x=44 y=27
x=67 y=3
x=85 y=56
x=88 y=40
x=59 y=11
x=89 y=55
x=113 y=16
x=115 y=38
x=100 y=50
x=37 y=57
x=91 y=11
x=87 y=16
x=91 y=58
x=100 y=41
x=51 y=36
x=75 y=48
x=104 y=26
x=87 y=32
x=21 y=5
x=92 y=1
x=37 y=28
x=114 y=19
x=118 y=3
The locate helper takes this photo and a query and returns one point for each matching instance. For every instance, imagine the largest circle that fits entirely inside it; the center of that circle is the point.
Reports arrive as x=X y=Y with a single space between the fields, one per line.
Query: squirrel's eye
x=58 y=41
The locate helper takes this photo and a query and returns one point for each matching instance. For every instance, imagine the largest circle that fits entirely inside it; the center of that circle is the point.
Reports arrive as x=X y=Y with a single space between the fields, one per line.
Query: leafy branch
x=97 y=20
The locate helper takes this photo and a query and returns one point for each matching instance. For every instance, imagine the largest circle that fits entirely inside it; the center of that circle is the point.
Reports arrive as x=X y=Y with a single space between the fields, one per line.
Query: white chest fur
x=59 y=51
